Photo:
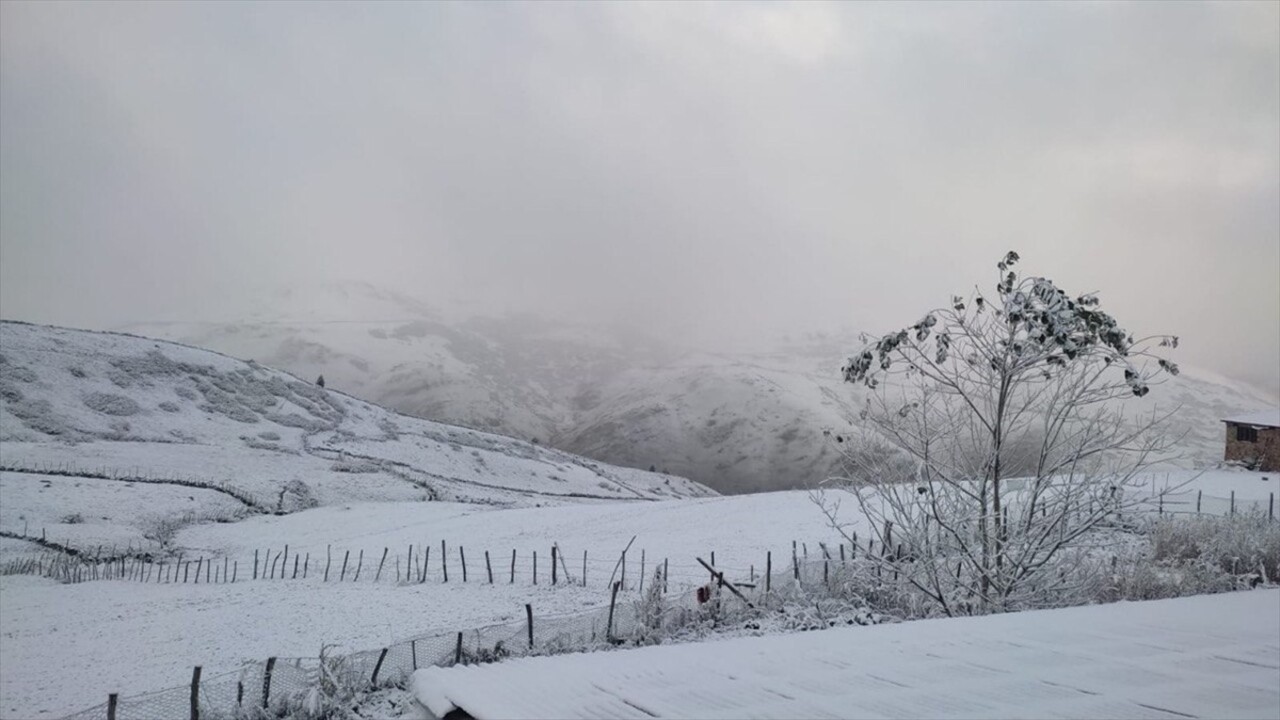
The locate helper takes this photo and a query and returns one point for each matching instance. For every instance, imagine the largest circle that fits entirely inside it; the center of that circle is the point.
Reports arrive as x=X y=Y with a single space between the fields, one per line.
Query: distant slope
x=738 y=423
x=110 y=404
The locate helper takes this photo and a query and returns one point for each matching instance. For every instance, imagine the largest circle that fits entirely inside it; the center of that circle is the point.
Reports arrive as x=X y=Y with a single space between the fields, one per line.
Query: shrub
x=110 y=404
x=1235 y=544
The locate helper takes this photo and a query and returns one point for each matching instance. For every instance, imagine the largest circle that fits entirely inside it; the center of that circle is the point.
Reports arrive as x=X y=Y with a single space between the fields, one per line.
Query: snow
x=131 y=638
x=116 y=404
x=191 y=415
x=1207 y=656
x=1266 y=418
x=738 y=421
x=674 y=529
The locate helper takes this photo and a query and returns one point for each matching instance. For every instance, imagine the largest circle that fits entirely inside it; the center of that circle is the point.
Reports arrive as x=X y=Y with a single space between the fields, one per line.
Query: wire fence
x=278 y=686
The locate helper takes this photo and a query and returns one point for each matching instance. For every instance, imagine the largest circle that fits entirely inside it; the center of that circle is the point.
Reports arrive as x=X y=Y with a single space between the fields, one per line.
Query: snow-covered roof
x=1205 y=656
x=1265 y=418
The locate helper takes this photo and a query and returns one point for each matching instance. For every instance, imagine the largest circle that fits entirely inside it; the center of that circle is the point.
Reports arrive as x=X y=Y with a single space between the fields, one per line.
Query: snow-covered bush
x=340 y=685
x=294 y=496
x=1234 y=544
x=111 y=404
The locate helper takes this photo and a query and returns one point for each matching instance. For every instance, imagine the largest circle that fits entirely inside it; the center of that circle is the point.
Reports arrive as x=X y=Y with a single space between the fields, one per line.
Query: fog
x=712 y=173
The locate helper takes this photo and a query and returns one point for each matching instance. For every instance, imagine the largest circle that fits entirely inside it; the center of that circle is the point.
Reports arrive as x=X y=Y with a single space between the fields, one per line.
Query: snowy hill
x=738 y=423
x=112 y=405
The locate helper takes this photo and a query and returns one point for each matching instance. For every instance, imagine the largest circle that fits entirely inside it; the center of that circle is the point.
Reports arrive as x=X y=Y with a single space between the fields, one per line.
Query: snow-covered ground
x=127 y=410
x=1208 y=656
x=81 y=627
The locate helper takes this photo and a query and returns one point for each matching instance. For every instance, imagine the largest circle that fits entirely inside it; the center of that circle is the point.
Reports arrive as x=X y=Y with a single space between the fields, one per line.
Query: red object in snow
x=704 y=594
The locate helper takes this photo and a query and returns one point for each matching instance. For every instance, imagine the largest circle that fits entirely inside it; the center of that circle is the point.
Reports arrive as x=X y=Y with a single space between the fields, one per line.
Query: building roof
x=1204 y=656
x=1265 y=418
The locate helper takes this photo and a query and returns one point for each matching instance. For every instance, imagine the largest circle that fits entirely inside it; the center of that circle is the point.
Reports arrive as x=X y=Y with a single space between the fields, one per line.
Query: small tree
x=320 y=381
x=1027 y=384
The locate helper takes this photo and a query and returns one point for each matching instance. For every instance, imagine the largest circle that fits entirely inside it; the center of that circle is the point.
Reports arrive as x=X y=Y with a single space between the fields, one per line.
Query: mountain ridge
x=738 y=422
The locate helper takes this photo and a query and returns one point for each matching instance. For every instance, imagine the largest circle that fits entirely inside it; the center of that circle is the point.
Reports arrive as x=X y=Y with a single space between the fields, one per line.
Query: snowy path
x=1212 y=656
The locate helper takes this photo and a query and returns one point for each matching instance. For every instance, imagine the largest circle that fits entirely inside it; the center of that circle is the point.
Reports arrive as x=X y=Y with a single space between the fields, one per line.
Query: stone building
x=1254 y=439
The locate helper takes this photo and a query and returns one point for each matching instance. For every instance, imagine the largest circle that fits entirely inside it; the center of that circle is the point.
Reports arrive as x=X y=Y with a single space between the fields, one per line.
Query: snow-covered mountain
x=737 y=423
x=116 y=405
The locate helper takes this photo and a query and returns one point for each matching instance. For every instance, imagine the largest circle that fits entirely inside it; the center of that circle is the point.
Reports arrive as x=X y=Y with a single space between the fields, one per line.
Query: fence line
x=414 y=566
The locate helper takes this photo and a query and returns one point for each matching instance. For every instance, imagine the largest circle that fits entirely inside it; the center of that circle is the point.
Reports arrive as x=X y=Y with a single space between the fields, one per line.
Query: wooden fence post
x=528 y=614
x=1233 y=502
x=195 y=693
x=359 y=566
x=535 y=567
x=554 y=574
x=713 y=564
x=462 y=553
x=426 y=562
x=457 y=654
x=255 y=563
x=328 y=559
x=378 y=666
x=487 y=567
x=612 y=601
x=413 y=651
x=112 y=700
x=624 y=569
x=1271 y=506
x=768 y=571
x=584 y=568
x=1198 y=494
x=641 y=588
x=444 y=561
x=382 y=562
x=266 y=681
x=795 y=561
x=343 y=575
x=513 y=566
x=665 y=566
x=235 y=570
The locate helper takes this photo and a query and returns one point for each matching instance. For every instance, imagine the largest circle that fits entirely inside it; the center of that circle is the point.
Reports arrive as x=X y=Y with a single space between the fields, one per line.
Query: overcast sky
x=709 y=171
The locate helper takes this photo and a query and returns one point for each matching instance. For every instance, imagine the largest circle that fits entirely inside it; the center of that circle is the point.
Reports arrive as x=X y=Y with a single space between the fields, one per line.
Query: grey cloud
x=710 y=171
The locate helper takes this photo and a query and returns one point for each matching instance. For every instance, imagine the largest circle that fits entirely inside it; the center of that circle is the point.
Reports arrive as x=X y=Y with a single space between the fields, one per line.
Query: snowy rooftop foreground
x=1268 y=418
x=1206 y=656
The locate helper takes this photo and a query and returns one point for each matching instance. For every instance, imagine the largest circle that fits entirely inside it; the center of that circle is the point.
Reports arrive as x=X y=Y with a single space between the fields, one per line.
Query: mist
x=712 y=173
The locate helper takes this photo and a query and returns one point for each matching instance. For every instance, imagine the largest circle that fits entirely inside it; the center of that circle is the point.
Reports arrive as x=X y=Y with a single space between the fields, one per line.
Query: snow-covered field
x=81 y=627
x=1215 y=656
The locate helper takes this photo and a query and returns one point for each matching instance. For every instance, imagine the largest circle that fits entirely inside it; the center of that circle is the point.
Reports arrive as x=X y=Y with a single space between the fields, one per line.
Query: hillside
x=115 y=405
x=738 y=423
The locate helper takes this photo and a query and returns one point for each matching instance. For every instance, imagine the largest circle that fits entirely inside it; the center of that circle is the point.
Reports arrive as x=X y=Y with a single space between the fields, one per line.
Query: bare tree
x=1030 y=385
